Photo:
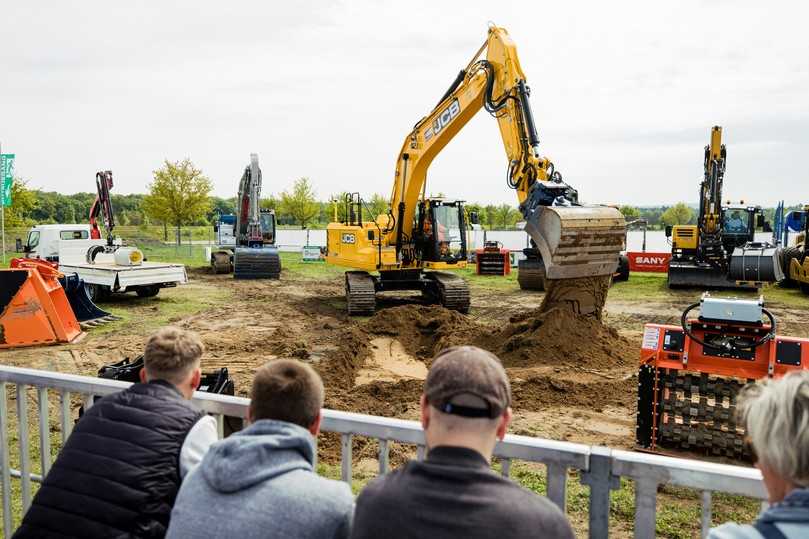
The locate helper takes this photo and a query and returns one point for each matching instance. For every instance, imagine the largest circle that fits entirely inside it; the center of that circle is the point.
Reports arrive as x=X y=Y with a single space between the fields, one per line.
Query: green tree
x=679 y=214
x=377 y=205
x=505 y=216
x=300 y=203
x=23 y=202
x=630 y=212
x=489 y=216
x=179 y=194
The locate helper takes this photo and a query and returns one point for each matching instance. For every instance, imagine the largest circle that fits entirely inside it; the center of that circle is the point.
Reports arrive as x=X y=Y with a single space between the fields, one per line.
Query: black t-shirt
x=454 y=493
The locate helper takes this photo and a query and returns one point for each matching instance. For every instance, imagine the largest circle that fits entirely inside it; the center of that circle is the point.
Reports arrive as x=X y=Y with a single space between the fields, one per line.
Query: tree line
x=180 y=195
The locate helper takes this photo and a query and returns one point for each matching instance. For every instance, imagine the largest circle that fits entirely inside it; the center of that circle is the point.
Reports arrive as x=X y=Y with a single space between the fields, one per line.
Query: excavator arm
x=575 y=241
x=102 y=206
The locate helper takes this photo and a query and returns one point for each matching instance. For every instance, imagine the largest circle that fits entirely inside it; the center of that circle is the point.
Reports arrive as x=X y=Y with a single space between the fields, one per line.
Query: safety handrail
x=600 y=468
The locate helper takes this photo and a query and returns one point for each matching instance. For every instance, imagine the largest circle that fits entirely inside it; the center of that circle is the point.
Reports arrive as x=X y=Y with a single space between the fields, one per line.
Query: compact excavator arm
x=574 y=241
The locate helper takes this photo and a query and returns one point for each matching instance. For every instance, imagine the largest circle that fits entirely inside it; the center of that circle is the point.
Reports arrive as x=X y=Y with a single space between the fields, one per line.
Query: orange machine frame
x=667 y=348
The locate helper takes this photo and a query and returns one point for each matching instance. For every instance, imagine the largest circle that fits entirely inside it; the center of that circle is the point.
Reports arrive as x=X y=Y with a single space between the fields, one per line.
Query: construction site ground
x=572 y=379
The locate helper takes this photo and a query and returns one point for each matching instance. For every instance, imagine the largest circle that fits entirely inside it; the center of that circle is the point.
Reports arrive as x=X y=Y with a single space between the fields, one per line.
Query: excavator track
x=453 y=291
x=360 y=293
x=698 y=413
x=256 y=263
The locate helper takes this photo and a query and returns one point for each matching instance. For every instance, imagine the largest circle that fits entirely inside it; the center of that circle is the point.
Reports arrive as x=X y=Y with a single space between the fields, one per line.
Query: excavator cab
x=440 y=231
x=267 y=219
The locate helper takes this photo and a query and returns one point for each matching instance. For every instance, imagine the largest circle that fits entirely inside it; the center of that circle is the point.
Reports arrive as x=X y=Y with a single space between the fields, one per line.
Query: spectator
x=119 y=472
x=775 y=414
x=453 y=492
x=261 y=482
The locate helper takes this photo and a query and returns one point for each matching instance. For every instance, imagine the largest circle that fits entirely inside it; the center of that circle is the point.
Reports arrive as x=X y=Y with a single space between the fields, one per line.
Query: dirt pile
x=424 y=330
x=559 y=337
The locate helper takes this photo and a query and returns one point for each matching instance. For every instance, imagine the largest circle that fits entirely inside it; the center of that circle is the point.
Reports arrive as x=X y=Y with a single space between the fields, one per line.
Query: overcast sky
x=624 y=93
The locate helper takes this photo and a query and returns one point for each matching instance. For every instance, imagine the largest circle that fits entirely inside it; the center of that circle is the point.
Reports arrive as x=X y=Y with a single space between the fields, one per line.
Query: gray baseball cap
x=469 y=382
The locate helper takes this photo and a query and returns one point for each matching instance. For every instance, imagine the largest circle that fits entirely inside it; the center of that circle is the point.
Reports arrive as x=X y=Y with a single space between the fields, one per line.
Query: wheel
x=622 y=272
x=147 y=291
x=790 y=254
x=96 y=292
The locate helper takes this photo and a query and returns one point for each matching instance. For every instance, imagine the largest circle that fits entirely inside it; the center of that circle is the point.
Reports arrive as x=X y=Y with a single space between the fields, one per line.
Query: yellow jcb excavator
x=579 y=245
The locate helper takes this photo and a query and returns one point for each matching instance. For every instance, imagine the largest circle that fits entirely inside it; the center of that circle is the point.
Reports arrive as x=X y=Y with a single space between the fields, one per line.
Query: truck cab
x=43 y=240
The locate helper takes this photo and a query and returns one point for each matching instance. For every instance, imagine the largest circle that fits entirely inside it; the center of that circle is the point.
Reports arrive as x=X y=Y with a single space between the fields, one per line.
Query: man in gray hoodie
x=259 y=482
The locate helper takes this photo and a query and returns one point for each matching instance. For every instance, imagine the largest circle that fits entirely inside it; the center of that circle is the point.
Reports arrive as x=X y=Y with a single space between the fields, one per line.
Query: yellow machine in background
x=720 y=250
x=419 y=233
x=796 y=257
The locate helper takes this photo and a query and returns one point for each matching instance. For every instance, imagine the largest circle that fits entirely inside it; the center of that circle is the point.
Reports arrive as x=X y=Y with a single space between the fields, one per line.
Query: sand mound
x=423 y=330
x=559 y=337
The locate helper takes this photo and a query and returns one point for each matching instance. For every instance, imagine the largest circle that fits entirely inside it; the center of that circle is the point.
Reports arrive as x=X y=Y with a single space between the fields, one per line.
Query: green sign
x=7 y=175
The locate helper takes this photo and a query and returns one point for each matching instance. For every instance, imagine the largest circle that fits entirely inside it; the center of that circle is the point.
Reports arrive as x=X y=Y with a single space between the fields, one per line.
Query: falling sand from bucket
x=583 y=295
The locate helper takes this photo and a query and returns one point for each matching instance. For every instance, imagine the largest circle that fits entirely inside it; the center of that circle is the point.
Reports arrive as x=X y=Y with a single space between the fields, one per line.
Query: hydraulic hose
x=762 y=340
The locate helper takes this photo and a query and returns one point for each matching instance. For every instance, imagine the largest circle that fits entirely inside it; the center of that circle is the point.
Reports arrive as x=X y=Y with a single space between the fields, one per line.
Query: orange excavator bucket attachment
x=34 y=309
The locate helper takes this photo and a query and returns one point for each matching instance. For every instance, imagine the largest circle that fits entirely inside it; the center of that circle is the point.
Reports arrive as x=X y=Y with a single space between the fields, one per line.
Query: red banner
x=650 y=262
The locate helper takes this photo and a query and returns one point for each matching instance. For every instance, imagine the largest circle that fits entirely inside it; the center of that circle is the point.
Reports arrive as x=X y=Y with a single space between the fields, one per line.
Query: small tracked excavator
x=690 y=374
x=247 y=241
x=720 y=251
x=411 y=246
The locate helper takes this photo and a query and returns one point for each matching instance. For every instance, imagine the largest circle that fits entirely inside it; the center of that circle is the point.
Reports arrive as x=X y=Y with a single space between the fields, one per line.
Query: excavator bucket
x=578 y=241
x=86 y=311
x=35 y=309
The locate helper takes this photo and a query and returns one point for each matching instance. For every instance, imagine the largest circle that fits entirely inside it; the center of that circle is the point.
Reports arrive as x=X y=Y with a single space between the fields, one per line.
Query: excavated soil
x=573 y=376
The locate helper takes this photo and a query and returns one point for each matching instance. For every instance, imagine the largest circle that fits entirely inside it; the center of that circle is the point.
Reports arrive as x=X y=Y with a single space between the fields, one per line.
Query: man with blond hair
x=465 y=409
x=119 y=471
x=261 y=482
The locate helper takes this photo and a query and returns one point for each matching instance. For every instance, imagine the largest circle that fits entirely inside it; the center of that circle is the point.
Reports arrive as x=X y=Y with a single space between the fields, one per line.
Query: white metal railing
x=600 y=468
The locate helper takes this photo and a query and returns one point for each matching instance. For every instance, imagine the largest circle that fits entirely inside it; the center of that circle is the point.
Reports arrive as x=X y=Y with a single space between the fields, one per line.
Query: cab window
x=33 y=239
x=736 y=221
x=74 y=235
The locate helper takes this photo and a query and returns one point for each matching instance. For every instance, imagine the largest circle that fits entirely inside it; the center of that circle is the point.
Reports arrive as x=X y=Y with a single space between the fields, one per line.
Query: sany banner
x=7 y=175
x=651 y=262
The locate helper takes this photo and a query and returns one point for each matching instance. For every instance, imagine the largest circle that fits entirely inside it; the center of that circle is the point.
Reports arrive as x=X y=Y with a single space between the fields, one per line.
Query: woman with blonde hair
x=775 y=414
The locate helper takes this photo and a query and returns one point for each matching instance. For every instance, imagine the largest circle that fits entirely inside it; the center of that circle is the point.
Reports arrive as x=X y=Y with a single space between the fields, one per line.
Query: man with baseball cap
x=465 y=409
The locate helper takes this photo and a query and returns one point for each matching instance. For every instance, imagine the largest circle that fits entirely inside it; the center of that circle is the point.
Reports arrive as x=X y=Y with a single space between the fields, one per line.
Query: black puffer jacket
x=118 y=474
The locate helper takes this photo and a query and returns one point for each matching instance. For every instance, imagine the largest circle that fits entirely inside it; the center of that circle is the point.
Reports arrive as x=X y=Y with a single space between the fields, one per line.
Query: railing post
x=557 y=485
x=220 y=426
x=421 y=452
x=645 y=507
x=6 y=462
x=345 y=458
x=44 y=430
x=706 y=513
x=505 y=467
x=67 y=425
x=384 y=452
x=601 y=481
x=25 y=467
